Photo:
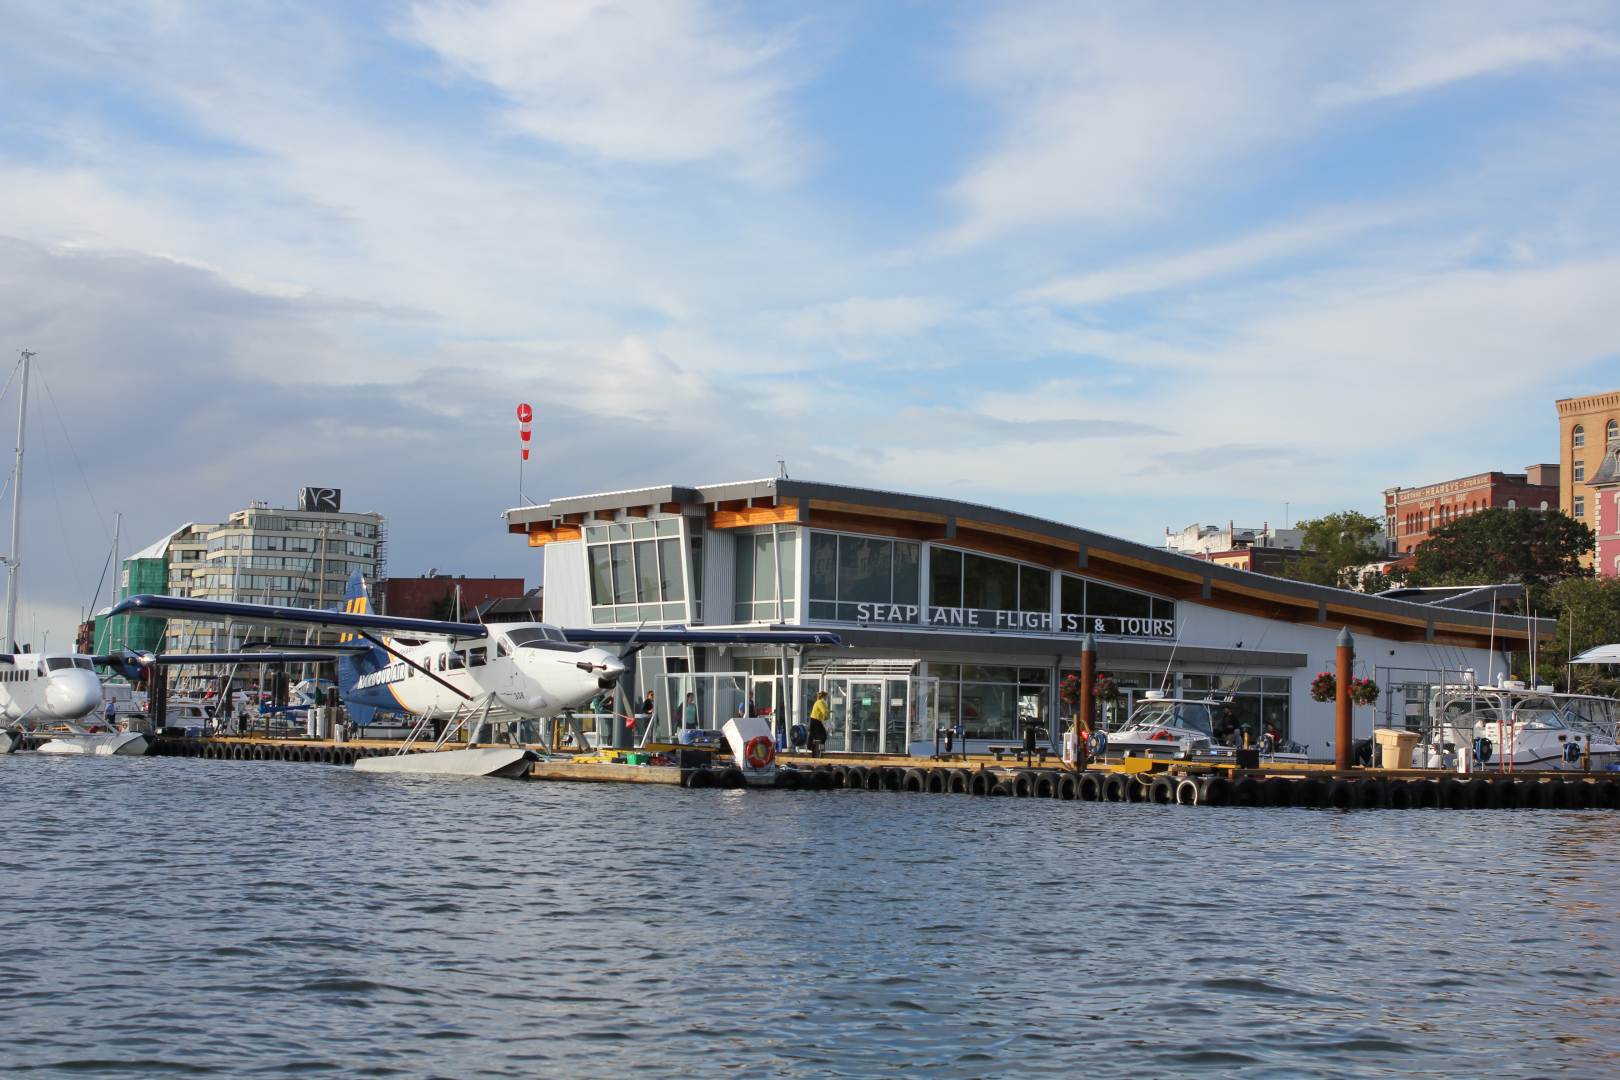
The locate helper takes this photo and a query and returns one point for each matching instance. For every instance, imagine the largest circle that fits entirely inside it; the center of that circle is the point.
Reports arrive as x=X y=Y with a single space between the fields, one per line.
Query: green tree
x=1336 y=545
x=1535 y=548
x=1588 y=610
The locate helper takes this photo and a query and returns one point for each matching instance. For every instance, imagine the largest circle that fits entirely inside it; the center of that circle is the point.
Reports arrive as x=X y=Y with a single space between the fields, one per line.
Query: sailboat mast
x=16 y=511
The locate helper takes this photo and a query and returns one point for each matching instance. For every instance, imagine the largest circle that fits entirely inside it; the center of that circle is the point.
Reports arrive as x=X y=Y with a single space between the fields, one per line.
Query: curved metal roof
x=953 y=512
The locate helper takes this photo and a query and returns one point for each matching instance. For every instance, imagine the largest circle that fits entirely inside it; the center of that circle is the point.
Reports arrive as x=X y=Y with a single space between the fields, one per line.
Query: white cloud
x=655 y=84
x=1450 y=61
x=1194 y=267
x=1108 y=114
x=1117 y=116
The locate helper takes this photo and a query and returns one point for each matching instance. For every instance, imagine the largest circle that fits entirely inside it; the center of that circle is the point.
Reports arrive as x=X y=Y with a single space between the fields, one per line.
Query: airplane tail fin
x=350 y=669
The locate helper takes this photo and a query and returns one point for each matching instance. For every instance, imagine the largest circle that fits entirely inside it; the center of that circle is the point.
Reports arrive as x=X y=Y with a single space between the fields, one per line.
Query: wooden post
x=1343 y=655
x=1088 y=699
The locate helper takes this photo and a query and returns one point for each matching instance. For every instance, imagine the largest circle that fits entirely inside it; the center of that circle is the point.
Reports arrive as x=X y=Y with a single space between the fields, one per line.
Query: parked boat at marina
x=1511 y=726
x=1162 y=726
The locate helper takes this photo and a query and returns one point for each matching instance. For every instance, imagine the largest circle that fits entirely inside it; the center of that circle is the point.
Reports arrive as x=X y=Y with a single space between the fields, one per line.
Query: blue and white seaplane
x=484 y=680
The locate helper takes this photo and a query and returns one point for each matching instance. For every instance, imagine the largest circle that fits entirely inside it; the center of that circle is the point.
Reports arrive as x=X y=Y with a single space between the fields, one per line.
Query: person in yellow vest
x=818 y=724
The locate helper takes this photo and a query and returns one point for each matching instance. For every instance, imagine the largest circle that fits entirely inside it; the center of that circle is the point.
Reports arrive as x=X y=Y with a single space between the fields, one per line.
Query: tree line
x=1540 y=550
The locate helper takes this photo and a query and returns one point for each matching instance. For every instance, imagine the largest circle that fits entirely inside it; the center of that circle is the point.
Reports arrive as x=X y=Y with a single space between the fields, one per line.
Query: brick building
x=1605 y=511
x=1411 y=513
x=1587 y=428
x=434 y=596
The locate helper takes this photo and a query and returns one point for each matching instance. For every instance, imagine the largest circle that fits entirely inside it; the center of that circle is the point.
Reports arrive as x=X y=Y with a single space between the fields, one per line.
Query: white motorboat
x=101 y=744
x=511 y=762
x=1510 y=727
x=1162 y=726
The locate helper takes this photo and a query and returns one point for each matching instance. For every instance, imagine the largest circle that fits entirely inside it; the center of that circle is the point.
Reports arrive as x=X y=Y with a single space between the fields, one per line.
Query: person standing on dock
x=647 y=710
x=818 y=724
x=689 y=713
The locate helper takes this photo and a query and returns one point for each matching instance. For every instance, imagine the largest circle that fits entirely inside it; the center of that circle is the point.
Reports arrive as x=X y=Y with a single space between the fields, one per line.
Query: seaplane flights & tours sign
x=1031 y=622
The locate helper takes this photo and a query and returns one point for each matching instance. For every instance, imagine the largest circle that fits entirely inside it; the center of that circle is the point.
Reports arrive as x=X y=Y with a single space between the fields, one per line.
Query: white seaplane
x=51 y=693
x=484 y=680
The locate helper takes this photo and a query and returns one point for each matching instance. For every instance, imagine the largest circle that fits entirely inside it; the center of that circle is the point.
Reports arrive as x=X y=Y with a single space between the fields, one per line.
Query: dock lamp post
x=1344 y=654
x=1088 y=699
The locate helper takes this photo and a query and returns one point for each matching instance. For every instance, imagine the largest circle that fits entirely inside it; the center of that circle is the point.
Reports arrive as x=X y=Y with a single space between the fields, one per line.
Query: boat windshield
x=1192 y=715
x=1530 y=712
x=1591 y=714
x=1538 y=712
x=541 y=637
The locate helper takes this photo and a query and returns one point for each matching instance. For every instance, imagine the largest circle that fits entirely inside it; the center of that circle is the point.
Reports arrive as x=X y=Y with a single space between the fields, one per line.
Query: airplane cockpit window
x=501 y=649
x=58 y=663
x=83 y=662
x=541 y=637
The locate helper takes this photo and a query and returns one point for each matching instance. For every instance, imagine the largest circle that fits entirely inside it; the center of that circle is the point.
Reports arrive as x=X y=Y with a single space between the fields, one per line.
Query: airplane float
x=470 y=674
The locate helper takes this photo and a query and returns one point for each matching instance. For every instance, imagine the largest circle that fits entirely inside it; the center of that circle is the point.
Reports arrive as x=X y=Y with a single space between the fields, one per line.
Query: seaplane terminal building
x=966 y=617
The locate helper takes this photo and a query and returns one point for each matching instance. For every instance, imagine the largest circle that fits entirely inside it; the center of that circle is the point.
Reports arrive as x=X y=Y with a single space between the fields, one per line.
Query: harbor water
x=186 y=917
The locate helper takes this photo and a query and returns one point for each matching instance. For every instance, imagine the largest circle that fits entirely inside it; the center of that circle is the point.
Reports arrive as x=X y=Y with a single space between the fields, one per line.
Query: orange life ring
x=1162 y=735
x=759 y=752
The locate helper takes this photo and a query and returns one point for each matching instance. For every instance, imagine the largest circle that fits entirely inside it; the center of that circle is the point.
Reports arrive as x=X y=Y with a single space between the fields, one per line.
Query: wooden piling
x=1088 y=698
x=1344 y=654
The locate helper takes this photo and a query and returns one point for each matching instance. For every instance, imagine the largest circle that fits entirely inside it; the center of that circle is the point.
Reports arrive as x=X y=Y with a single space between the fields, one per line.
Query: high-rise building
x=289 y=557
x=153 y=569
x=1587 y=427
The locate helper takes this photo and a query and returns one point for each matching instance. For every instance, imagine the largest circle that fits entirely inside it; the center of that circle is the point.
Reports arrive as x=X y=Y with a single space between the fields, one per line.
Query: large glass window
x=767 y=568
x=992 y=701
x=635 y=572
x=981 y=592
x=864 y=579
x=1097 y=607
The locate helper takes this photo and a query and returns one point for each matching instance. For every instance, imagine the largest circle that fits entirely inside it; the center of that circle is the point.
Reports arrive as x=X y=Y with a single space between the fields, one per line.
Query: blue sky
x=1130 y=265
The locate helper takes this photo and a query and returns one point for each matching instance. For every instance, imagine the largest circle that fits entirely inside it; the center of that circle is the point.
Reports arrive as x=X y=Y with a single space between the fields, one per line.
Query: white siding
x=568 y=587
x=1312 y=721
x=719 y=577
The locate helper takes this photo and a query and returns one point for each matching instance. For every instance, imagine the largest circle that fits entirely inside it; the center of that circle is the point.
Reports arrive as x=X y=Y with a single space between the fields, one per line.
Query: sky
x=1129 y=266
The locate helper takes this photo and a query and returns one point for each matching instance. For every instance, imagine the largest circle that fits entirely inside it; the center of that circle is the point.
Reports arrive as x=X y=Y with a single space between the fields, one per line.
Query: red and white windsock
x=525 y=416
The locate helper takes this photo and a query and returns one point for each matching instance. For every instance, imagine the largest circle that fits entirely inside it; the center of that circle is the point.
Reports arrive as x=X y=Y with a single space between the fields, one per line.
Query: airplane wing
x=704 y=637
x=313 y=656
x=185 y=607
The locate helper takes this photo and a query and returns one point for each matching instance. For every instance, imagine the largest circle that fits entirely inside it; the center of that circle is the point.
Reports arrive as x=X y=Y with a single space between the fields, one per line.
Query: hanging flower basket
x=1324 y=687
x=1105 y=688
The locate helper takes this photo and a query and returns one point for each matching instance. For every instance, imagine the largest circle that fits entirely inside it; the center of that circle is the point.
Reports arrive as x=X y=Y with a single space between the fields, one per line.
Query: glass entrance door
x=865 y=729
x=762 y=689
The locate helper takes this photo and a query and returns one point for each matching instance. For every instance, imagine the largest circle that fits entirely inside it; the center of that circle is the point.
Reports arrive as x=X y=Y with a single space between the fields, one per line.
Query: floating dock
x=1132 y=780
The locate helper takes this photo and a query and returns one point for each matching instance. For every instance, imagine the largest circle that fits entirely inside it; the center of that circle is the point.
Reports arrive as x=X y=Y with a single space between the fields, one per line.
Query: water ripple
x=180 y=917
